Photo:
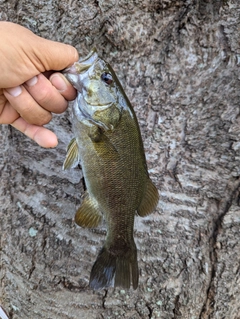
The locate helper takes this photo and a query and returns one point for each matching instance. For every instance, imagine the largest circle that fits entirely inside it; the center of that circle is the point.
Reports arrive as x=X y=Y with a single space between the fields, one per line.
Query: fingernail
x=16 y=91
x=32 y=81
x=58 y=82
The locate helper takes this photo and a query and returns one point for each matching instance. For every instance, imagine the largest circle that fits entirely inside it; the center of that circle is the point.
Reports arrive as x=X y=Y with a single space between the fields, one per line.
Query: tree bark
x=179 y=63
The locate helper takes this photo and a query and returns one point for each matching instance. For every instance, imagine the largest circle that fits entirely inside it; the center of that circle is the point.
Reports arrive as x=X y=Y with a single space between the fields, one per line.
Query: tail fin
x=121 y=269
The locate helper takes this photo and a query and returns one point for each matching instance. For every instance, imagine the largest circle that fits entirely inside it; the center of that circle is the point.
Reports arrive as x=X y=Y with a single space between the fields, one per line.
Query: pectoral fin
x=150 y=199
x=72 y=158
x=88 y=214
x=103 y=146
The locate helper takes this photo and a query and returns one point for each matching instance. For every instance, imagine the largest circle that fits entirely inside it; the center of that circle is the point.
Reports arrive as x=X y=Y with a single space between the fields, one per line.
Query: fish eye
x=107 y=78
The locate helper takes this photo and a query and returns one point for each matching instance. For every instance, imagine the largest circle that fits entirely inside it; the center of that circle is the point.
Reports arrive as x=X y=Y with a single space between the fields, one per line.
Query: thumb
x=55 y=55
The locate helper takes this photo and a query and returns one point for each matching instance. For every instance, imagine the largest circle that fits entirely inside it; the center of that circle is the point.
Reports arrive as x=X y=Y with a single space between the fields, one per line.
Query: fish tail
x=109 y=267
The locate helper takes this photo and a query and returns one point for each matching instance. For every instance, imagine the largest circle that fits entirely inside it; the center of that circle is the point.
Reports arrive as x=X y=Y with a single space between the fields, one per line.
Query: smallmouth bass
x=109 y=148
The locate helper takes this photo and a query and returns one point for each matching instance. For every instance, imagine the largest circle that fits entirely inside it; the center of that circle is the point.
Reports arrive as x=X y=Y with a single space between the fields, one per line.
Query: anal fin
x=149 y=200
x=88 y=214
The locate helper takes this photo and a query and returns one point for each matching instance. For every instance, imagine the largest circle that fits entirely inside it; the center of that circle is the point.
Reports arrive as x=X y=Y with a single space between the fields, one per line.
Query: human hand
x=27 y=97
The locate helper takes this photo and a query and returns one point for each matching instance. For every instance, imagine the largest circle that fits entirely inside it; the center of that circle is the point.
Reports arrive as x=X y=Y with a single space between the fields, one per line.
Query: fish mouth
x=100 y=106
x=82 y=65
x=86 y=114
x=90 y=57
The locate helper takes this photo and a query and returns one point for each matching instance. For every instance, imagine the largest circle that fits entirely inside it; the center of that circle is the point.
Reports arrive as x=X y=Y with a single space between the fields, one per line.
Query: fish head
x=100 y=95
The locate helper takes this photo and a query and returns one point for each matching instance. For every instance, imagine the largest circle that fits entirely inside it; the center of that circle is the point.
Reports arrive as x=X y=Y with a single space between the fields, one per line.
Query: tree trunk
x=179 y=63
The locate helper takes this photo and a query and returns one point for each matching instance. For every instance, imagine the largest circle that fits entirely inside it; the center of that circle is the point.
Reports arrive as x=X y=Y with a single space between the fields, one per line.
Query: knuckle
x=35 y=115
x=61 y=107
x=43 y=118
x=52 y=101
x=45 y=97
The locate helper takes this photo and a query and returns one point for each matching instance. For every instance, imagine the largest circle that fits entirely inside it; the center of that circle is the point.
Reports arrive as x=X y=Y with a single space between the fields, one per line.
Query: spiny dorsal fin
x=150 y=199
x=88 y=214
x=71 y=159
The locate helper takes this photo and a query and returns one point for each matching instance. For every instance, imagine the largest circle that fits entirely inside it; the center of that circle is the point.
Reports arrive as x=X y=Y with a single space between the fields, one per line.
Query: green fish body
x=109 y=148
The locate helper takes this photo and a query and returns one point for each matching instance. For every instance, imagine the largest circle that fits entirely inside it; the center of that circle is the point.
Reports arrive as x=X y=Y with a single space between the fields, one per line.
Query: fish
x=107 y=144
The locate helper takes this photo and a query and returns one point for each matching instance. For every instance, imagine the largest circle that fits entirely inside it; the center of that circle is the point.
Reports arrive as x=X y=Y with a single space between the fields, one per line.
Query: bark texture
x=179 y=62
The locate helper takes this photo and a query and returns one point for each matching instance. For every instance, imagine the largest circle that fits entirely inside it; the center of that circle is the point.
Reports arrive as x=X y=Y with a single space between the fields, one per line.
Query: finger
x=39 y=134
x=26 y=54
x=7 y=113
x=63 y=86
x=6 y=110
x=26 y=106
x=50 y=53
x=46 y=95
